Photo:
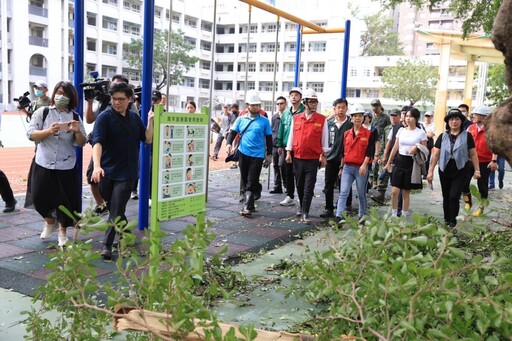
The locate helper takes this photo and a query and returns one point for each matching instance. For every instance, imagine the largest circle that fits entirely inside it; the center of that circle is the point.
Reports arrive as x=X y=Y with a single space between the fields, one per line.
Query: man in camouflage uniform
x=380 y=121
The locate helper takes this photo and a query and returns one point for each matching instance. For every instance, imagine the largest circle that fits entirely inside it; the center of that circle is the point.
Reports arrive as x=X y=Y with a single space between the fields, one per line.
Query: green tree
x=474 y=14
x=181 y=59
x=410 y=80
x=379 y=38
x=497 y=91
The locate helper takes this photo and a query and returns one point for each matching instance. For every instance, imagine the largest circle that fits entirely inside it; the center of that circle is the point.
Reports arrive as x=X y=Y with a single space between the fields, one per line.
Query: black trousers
x=5 y=189
x=116 y=194
x=289 y=177
x=482 y=183
x=279 y=168
x=331 y=178
x=250 y=170
x=452 y=185
x=305 y=174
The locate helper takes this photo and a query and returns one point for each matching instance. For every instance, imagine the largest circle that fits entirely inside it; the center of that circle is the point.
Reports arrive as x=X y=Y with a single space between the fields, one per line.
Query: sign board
x=180 y=160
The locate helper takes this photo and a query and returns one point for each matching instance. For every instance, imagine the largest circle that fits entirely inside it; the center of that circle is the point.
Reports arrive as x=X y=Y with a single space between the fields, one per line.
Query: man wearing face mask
x=255 y=147
x=42 y=100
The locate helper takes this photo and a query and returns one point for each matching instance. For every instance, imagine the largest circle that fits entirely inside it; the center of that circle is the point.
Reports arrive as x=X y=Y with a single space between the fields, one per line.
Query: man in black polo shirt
x=117 y=134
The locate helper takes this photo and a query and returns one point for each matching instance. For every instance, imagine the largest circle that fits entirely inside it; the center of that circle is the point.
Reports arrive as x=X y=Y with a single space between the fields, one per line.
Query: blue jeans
x=349 y=174
x=501 y=171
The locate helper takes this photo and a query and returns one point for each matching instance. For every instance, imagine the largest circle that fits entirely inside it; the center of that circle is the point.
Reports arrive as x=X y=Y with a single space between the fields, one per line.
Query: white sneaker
x=63 y=238
x=287 y=201
x=48 y=229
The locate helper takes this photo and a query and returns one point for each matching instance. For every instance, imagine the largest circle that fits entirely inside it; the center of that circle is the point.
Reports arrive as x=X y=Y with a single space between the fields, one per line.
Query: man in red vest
x=309 y=142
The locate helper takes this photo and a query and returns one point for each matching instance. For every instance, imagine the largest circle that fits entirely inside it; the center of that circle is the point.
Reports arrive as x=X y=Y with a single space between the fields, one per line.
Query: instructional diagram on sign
x=182 y=155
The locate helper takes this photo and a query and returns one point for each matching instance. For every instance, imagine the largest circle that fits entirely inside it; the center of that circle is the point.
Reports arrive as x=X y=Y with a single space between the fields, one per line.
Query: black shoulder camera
x=98 y=89
x=25 y=103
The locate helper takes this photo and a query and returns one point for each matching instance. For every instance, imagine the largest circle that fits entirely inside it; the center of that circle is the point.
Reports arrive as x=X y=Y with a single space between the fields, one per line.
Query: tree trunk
x=498 y=125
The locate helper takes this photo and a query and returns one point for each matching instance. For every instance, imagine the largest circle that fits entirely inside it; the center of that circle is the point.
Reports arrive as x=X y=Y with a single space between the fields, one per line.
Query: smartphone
x=430 y=186
x=64 y=126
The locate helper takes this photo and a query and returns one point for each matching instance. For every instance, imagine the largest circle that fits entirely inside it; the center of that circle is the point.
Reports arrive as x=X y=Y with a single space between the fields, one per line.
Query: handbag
x=235 y=154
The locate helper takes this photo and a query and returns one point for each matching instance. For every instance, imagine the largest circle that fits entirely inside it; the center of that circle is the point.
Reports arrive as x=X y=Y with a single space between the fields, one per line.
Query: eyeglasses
x=119 y=99
x=280 y=103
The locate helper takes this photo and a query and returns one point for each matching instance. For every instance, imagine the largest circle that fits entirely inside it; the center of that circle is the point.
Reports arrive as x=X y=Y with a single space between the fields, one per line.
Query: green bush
x=392 y=280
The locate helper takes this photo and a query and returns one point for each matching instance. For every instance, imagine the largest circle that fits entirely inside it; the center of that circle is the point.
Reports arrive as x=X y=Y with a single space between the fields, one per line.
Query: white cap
x=41 y=84
x=310 y=93
x=253 y=97
x=296 y=89
x=357 y=109
x=428 y=113
x=482 y=110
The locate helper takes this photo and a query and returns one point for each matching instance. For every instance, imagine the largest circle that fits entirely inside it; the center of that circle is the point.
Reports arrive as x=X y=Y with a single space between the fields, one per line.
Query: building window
x=316 y=67
x=204 y=83
x=317 y=86
x=91 y=19
x=158 y=12
x=366 y=72
x=321 y=23
x=131 y=29
x=268 y=28
x=252 y=48
x=110 y=2
x=91 y=44
x=267 y=86
x=189 y=81
x=109 y=48
x=290 y=47
x=353 y=72
x=317 y=46
x=254 y=28
x=204 y=64
x=268 y=47
x=109 y=23
x=190 y=21
x=252 y=67
x=176 y=17
x=206 y=26
x=266 y=67
x=290 y=27
x=372 y=93
x=356 y=93
x=190 y=41
x=206 y=45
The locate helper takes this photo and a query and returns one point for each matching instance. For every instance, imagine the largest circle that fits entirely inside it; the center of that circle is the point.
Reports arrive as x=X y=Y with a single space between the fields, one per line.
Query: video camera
x=98 y=89
x=25 y=103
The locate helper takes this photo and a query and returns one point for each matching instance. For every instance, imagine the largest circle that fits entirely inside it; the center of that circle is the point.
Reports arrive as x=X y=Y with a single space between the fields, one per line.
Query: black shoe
x=9 y=207
x=379 y=199
x=276 y=191
x=106 y=252
x=501 y=184
x=327 y=214
x=101 y=209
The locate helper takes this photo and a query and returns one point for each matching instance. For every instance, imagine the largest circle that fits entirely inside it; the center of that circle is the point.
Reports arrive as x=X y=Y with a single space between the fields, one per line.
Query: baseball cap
x=376 y=103
x=428 y=113
x=395 y=112
x=156 y=95
x=41 y=84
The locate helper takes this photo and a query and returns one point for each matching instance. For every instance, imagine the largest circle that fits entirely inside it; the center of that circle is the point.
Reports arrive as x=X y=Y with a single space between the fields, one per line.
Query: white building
x=37 y=44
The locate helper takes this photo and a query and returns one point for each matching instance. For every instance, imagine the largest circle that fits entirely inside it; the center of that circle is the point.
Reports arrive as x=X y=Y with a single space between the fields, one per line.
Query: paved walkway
x=23 y=254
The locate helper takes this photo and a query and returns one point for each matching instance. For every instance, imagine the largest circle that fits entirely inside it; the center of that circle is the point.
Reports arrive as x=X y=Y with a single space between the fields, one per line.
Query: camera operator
x=90 y=115
x=40 y=90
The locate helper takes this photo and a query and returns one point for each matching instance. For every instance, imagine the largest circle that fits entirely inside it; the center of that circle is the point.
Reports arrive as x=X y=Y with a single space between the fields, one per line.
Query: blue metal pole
x=344 y=71
x=78 y=76
x=297 y=56
x=147 y=81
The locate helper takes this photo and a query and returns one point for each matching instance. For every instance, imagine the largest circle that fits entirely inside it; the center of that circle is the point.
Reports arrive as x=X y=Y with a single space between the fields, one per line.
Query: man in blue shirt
x=255 y=147
x=117 y=134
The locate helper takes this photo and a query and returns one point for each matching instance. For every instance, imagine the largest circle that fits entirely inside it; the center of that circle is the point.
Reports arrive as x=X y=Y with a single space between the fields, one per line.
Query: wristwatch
x=494 y=161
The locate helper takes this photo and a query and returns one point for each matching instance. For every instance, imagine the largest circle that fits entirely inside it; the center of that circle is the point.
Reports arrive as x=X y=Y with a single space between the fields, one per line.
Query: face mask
x=61 y=101
x=39 y=93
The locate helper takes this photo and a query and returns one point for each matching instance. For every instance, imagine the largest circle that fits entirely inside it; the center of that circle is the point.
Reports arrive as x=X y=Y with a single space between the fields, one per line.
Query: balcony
x=39 y=11
x=38 y=41
x=37 y=71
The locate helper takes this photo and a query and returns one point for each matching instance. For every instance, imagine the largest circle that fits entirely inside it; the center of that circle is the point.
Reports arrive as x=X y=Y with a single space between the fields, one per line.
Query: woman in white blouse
x=54 y=175
x=406 y=142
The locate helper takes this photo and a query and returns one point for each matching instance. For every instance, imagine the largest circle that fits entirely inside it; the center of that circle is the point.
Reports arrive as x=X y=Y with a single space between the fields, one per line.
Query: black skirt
x=402 y=172
x=50 y=188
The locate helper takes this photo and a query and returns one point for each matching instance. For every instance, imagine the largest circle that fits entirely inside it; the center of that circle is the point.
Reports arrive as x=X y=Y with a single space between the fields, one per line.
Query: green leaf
x=421 y=240
x=457 y=252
